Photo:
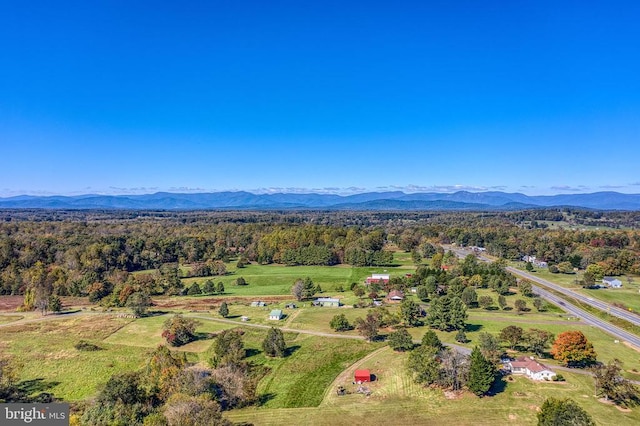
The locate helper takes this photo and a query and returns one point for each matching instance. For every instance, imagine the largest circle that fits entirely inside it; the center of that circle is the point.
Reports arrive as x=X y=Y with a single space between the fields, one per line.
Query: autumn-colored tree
x=179 y=331
x=573 y=349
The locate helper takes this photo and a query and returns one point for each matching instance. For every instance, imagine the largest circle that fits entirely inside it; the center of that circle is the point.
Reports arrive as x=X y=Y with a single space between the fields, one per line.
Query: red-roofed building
x=395 y=296
x=378 y=278
x=362 y=376
x=531 y=368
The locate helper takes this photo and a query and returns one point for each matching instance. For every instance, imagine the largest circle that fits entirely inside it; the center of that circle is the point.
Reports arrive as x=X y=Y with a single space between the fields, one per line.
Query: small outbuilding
x=258 y=304
x=275 y=315
x=362 y=376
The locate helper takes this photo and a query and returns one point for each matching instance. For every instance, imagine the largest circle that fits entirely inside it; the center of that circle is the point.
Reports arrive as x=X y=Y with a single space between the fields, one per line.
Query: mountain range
x=241 y=200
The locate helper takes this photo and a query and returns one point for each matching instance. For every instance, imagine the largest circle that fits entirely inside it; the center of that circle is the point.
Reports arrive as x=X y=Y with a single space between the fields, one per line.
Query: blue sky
x=330 y=96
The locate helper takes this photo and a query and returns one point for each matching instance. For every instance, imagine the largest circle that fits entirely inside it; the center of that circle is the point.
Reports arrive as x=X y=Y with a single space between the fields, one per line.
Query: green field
x=275 y=280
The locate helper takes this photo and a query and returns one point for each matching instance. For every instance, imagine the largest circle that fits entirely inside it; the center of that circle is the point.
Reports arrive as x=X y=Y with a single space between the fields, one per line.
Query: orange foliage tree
x=573 y=349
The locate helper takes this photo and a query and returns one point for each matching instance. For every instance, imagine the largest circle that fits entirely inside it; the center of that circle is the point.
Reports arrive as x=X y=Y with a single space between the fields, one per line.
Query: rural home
x=376 y=278
x=258 y=304
x=326 y=301
x=612 y=282
x=275 y=315
x=362 y=376
x=530 y=368
x=535 y=262
x=395 y=296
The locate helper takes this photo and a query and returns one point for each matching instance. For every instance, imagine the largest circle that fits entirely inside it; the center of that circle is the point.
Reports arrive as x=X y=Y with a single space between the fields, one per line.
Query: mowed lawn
x=396 y=400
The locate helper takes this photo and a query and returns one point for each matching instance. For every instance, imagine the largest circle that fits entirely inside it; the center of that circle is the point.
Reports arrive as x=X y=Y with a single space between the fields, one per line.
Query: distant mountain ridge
x=396 y=200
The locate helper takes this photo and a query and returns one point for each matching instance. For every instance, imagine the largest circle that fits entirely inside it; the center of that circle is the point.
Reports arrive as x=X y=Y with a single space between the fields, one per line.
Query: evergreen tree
x=194 y=290
x=220 y=288
x=431 y=339
x=55 y=304
x=461 y=336
x=208 y=287
x=424 y=364
x=274 y=345
x=224 y=310
x=410 y=312
x=482 y=373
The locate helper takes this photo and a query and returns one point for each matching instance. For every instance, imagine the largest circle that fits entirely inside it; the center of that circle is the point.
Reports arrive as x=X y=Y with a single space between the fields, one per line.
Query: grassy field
x=396 y=400
x=5 y=319
x=50 y=363
x=272 y=280
x=147 y=333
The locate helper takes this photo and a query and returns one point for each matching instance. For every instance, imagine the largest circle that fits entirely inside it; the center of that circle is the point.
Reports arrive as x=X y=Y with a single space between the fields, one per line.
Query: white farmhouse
x=530 y=368
x=612 y=282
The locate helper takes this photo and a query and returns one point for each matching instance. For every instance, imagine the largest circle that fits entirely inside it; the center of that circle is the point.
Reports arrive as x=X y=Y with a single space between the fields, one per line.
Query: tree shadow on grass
x=264 y=398
x=472 y=327
x=252 y=352
x=498 y=386
x=33 y=391
x=291 y=350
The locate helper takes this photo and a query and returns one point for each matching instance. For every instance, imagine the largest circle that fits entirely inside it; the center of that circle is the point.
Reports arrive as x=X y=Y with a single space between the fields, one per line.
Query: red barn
x=362 y=376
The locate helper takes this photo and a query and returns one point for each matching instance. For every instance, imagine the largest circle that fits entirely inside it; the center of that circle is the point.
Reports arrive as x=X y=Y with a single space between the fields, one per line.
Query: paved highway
x=603 y=306
x=588 y=318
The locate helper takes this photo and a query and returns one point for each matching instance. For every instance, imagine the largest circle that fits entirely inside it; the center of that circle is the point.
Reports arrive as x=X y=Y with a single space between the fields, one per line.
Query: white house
x=275 y=315
x=612 y=282
x=530 y=368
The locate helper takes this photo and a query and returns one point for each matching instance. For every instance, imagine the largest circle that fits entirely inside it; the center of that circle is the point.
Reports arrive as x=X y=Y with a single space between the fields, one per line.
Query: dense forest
x=93 y=253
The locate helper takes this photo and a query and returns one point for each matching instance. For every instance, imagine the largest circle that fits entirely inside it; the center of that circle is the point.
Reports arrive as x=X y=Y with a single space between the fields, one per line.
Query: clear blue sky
x=142 y=96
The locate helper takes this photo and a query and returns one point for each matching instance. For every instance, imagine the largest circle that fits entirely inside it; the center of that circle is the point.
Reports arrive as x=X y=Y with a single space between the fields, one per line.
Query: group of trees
x=433 y=364
x=168 y=391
